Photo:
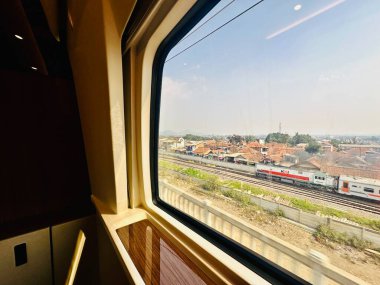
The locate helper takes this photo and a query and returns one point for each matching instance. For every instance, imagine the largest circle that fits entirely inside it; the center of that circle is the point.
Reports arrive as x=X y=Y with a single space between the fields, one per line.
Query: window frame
x=260 y=265
x=369 y=190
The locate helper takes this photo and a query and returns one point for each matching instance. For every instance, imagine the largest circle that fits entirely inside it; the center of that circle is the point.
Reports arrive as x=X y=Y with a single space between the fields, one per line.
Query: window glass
x=259 y=98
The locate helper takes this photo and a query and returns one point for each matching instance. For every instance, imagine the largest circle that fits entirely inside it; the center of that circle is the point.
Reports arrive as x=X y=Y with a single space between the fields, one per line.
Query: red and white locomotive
x=343 y=184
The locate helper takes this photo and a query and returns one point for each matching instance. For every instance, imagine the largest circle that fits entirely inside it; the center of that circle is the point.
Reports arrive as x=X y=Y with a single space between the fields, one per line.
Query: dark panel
x=18 y=54
x=53 y=52
x=20 y=254
x=43 y=170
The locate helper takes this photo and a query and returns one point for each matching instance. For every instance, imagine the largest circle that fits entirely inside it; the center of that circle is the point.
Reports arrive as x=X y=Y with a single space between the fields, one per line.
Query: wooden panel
x=157 y=259
x=43 y=170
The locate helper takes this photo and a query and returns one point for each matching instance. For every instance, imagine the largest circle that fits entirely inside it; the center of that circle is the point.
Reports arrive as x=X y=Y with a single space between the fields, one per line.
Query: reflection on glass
x=157 y=259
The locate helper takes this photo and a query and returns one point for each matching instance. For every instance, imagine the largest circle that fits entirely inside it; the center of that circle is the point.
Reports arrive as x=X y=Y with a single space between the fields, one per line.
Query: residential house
x=202 y=151
x=289 y=160
x=234 y=157
x=166 y=144
x=217 y=154
x=192 y=145
x=259 y=147
x=313 y=163
x=326 y=146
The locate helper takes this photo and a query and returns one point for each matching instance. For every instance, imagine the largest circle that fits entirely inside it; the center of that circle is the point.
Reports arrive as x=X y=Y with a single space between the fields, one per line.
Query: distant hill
x=171 y=133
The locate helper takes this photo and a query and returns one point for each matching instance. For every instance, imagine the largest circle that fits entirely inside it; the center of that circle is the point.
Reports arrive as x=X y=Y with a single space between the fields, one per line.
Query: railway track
x=272 y=185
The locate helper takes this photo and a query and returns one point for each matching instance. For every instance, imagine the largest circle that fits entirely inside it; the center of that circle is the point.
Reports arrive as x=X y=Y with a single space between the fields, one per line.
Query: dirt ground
x=357 y=262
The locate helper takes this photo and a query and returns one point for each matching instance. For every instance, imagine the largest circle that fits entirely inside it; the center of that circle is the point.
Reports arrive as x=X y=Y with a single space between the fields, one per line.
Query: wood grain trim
x=157 y=259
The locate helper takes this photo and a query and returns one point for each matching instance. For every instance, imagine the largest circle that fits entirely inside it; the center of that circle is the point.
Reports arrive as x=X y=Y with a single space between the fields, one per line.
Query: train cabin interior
x=79 y=154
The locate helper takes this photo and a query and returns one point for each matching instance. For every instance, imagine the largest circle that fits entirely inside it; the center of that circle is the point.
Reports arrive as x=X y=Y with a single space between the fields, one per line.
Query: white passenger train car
x=360 y=187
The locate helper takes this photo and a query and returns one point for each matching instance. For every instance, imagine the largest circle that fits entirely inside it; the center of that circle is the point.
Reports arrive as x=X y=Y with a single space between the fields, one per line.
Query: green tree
x=301 y=138
x=249 y=138
x=235 y=139
x=191 y=137
x=313 y=147
x=277 y=137
x=335 y=143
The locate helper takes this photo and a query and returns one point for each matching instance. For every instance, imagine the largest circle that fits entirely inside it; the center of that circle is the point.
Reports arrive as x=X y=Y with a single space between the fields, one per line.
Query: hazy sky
x=316 y=70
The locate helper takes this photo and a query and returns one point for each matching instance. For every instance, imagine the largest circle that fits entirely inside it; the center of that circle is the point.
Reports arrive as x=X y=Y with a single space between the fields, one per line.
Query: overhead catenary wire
x=200 y=26
x=215 y=30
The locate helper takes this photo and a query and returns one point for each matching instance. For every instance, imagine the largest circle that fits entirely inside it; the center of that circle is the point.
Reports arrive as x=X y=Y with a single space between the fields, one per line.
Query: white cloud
x=173 y=88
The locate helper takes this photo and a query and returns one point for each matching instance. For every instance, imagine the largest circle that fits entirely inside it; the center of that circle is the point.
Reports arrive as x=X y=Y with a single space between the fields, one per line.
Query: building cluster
x=347 y=159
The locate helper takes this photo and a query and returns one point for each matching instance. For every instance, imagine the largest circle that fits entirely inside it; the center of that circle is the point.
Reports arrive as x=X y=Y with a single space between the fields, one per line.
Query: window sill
x=219 y=266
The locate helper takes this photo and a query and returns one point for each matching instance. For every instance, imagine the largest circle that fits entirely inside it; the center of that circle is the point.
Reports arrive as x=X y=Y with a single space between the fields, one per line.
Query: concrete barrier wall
x=316 y=268
x=291 y=213
x=269 y=205
x=372 y=236
x=312 y=220
x=347 y=228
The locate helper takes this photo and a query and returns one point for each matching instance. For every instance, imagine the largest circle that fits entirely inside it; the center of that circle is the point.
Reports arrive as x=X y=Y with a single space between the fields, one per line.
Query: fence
x=313 y=220
x=311 y=266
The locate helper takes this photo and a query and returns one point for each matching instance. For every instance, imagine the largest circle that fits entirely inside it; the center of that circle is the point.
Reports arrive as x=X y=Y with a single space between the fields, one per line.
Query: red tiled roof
x=202 y=150
x=256 y=157
x=210 y=141
x=234 y=149
x=218 y=151
x=281 y=149
x=315 y=161
x=350 y=171
x=275 y=157
x=254 y=144
x=246 y=150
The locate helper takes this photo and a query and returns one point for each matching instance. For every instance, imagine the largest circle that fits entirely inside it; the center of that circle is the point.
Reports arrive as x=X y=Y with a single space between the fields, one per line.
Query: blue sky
x=315 y=70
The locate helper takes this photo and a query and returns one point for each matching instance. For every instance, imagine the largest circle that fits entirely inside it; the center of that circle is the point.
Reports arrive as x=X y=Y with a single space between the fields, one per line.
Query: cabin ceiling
x=28 y=45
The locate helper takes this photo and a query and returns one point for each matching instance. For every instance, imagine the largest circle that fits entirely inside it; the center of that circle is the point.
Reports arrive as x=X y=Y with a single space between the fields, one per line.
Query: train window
x=370 y=190
x=270 y=74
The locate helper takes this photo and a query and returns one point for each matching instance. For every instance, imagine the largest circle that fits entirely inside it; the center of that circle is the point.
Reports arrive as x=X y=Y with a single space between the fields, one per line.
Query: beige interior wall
x=37 y=270
x=94 y=43
x=110 y=269
x=64 y=237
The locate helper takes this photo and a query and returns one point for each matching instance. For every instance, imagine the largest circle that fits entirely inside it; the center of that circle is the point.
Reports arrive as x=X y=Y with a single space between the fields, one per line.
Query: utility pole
x=279 y=128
